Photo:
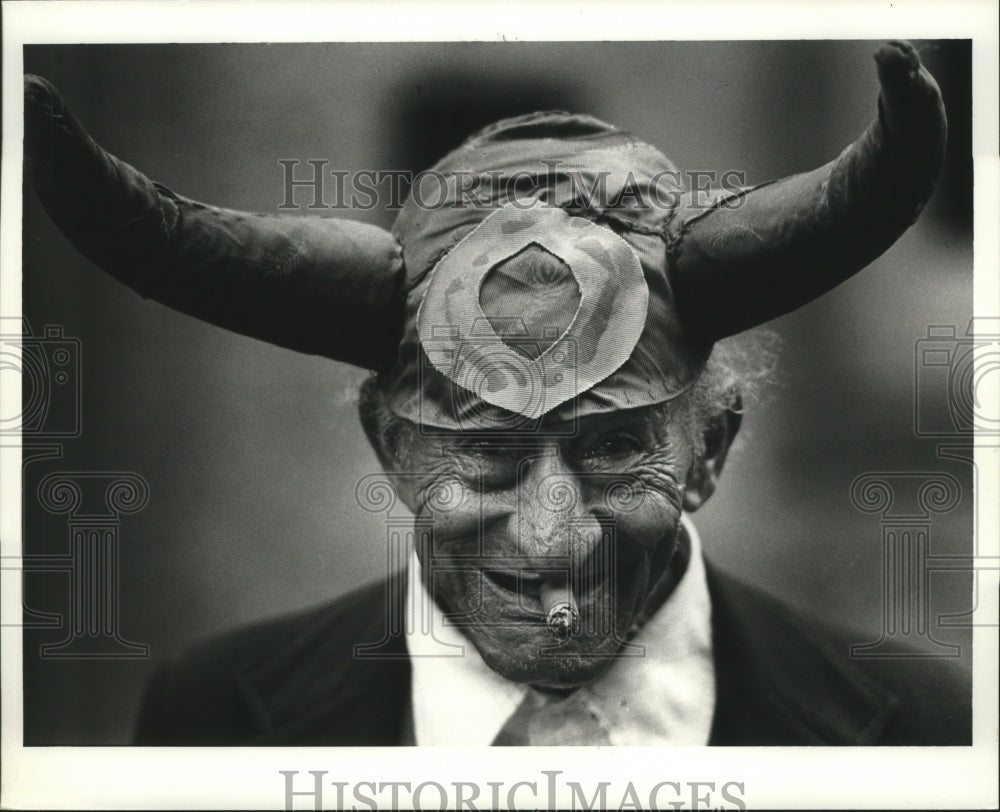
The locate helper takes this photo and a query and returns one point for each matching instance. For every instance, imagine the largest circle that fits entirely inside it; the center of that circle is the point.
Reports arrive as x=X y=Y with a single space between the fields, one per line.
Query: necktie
x=550 y=719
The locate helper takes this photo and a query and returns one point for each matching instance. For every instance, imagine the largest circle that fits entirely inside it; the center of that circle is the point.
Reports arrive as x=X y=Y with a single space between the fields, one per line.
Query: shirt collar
x=666 y=696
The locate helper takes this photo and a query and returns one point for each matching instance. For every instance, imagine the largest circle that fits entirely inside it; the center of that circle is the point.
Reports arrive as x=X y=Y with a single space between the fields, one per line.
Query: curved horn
x=763 y=252
x=323 y=286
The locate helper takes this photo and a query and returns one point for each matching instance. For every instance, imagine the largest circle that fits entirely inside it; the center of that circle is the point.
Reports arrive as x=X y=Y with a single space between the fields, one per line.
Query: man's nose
x=553 y=519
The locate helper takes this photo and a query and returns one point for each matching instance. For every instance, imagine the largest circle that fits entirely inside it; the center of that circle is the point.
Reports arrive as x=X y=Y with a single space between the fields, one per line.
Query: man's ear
x=704 y=474
x=384 y=442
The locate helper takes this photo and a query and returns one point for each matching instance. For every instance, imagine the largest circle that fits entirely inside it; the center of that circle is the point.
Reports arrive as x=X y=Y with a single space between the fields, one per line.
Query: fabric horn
x=763 y=252
x=323 y=286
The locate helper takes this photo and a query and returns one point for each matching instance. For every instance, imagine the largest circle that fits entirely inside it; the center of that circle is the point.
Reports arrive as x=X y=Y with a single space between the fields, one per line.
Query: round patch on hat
x=533 y=307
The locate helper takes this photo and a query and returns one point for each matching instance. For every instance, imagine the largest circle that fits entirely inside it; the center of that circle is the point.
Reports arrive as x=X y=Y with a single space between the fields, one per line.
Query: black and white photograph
x=372 y=398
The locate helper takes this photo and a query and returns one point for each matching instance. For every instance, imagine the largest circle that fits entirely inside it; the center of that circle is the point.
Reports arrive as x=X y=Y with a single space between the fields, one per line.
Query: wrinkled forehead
x=647 y=429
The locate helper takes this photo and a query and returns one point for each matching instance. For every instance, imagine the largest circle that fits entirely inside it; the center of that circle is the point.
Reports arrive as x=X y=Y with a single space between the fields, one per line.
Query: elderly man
x=555 y=390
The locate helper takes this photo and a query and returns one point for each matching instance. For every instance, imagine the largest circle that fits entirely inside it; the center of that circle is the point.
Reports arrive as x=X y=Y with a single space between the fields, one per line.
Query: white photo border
x=68 y=777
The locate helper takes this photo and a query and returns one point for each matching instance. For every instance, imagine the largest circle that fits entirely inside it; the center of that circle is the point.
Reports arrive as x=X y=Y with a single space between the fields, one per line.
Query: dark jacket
x=780 y=680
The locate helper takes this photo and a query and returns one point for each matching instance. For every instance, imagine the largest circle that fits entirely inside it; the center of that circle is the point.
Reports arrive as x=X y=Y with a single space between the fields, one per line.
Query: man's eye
x=490 y=452
x=493 y=462
x=617 y=445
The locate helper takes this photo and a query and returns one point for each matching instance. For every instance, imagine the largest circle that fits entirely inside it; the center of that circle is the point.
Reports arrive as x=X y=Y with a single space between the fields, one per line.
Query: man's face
x=602 y=505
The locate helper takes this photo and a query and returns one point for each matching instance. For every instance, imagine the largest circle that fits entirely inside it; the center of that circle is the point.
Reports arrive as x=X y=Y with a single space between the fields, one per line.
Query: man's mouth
x=587 y=580
x=527 y=583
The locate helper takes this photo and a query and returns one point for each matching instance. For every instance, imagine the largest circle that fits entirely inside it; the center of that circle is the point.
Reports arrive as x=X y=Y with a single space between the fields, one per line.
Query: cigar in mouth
x=561 y=613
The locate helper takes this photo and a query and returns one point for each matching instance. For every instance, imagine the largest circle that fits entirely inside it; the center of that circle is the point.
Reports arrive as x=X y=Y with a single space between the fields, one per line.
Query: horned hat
x=622 y=311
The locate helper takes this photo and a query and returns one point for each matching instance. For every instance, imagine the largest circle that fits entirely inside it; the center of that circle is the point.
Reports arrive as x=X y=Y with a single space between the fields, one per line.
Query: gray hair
x=734 y=379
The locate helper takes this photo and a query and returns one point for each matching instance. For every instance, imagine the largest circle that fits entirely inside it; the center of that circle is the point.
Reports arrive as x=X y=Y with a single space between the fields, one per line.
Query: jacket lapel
x=318 y=689
x=783 y=681
x=779 y=681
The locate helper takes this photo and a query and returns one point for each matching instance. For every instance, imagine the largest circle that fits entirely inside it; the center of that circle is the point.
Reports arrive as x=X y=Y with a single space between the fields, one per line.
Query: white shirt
x=665 y=697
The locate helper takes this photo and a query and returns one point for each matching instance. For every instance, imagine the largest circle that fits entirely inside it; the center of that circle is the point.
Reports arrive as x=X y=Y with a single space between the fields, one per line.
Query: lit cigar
x=561 y=613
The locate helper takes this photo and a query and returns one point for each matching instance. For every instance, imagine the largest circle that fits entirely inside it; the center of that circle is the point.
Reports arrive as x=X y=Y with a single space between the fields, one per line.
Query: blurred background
x=252 y=453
